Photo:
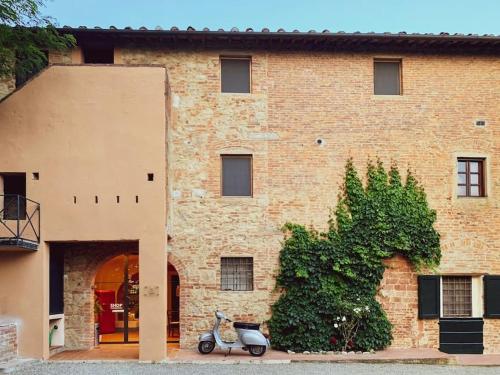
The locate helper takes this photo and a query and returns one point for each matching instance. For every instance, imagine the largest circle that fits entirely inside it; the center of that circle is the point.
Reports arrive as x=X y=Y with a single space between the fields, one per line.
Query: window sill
x=236 y=291
x=472 y=202
x=387 y=97
x=236 y=198
x=236 y=93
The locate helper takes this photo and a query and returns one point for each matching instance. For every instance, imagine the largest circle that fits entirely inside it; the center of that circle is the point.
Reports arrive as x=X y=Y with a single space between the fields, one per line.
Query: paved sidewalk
x=130 y=352
x=425 y=356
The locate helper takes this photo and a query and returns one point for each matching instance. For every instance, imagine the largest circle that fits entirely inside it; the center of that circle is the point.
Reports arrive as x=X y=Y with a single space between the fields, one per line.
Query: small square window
x=98 y=55
x=457 y=296
x=387 y=77
x=237 y=175
x=235 y=75
x=470 y=177
x=237 y=274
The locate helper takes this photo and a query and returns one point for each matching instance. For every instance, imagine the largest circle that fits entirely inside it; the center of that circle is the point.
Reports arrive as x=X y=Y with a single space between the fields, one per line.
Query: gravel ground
x=230 y=369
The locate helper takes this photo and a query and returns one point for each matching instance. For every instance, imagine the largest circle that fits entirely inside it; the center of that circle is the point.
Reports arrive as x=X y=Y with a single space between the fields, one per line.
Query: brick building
x=165 y=163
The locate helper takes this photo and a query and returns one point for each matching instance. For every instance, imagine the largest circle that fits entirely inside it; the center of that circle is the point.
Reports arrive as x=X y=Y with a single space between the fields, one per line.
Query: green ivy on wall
x=328 y=278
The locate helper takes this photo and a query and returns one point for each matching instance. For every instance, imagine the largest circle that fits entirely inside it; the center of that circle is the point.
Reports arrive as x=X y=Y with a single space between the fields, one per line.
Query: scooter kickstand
x=228 y=352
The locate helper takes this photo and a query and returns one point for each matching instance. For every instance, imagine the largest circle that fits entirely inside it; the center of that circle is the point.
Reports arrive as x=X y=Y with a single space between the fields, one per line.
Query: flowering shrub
x=347 y=326
x=325 y=276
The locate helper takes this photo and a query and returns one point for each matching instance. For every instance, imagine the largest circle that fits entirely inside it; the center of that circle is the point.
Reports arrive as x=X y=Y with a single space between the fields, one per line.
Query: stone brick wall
x=296 y=98
x=8 y=341
x=491 y=336
x=398 y=295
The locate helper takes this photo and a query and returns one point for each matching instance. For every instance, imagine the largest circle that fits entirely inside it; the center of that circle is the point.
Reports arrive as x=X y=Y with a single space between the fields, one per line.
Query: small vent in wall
x=480 y=123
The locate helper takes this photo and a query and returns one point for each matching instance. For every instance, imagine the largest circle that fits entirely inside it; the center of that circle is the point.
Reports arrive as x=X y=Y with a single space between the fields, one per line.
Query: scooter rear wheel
x=257 y=350
x=206 y=347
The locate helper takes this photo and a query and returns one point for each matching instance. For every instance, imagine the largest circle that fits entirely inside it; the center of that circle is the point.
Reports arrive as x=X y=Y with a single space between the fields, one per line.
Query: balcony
x=19 y=223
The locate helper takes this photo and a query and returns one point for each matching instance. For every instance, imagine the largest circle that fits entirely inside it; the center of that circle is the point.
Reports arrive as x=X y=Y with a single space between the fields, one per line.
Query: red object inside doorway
x=106 y=317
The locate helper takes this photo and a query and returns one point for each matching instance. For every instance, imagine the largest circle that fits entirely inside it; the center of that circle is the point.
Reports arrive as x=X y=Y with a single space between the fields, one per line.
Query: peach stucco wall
x=88 y=131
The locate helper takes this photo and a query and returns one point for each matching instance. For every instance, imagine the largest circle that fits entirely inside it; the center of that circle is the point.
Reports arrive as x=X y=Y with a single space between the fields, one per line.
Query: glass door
x=117 y=300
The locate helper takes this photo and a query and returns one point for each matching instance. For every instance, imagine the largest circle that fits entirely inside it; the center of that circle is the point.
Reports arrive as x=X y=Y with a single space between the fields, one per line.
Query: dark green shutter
x=491 y=296
x=428 y=297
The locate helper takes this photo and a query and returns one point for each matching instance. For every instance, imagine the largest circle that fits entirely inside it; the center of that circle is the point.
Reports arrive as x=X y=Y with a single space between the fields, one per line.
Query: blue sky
x=454 y=16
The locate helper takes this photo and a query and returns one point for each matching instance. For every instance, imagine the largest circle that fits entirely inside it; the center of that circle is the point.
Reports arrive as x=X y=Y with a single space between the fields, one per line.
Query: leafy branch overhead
x=25 y=38
x=337 y=274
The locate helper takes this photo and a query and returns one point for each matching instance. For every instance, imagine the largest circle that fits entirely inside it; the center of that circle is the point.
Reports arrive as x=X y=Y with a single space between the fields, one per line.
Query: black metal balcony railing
x=19 y=222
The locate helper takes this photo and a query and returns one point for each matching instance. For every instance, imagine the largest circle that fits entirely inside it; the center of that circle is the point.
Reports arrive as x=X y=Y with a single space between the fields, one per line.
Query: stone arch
x=455 y=250
x=180 y=267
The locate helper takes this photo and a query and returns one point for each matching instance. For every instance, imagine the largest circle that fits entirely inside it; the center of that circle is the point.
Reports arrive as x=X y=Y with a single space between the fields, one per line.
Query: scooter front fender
x=207 y=336
x=253 y=337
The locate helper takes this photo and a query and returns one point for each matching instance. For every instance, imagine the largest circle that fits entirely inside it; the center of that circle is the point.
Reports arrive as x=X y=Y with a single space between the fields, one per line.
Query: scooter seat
x=243 y=325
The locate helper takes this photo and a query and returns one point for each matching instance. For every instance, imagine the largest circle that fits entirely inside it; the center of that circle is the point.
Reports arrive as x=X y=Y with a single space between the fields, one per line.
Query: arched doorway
x=173 y=305
x=117 y=299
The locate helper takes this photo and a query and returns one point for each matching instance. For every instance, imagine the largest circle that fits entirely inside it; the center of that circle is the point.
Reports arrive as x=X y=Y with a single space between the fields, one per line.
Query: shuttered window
x=470 y=177
x=237 y=274
x=387 y=77
x=491 y=296
x=237 y=175
x=428 y=296
x=457 y=296
x=235 y=74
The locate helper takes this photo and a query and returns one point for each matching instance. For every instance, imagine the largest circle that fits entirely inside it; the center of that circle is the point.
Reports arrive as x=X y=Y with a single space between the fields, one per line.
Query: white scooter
x=249 y=338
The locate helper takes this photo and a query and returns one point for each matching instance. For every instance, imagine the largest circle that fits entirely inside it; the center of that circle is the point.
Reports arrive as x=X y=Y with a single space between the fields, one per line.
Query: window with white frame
x=457 y=296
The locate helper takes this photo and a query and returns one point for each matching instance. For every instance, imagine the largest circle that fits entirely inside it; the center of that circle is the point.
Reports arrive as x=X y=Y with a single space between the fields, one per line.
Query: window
x=14 y=196
x=56 y=282
x=237 y=274
x=387 y=77
x=237 y=175
x=470 y=178
x=98 y=55
x=457 y=296
x=235 y=74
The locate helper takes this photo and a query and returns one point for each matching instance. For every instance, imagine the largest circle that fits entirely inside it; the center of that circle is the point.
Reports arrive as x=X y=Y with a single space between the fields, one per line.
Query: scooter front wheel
x=206 y=347
x=257 y=350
